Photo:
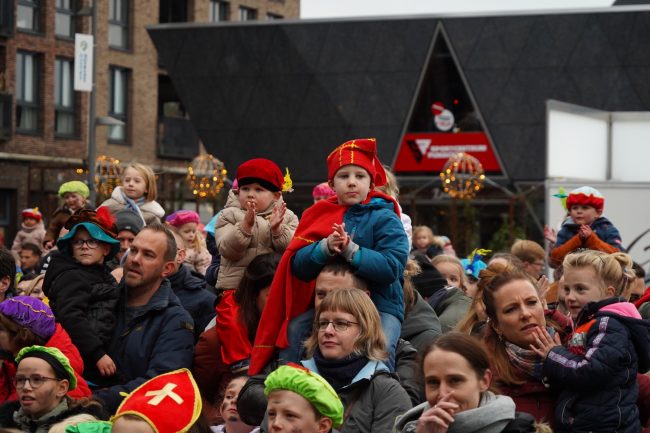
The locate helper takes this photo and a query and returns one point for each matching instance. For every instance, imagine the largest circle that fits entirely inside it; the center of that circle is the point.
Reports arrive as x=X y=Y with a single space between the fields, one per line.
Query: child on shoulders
x=74 y=195
x=32 y=230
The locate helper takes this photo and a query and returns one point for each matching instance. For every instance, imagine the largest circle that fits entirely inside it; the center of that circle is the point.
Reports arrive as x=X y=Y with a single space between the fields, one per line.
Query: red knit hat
x=32 y=213
x=587 y=196
x=262 y=171
x=361 y=152
x=169 y=403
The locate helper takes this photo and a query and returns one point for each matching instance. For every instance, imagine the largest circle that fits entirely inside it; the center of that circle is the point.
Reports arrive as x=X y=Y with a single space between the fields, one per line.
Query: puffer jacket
x=597 y=371
x=29 y=235
x=421 y=326
x=194 y=297
x=380 y=260
x=372 y=400
x=156 y=339
x=237 y=248
x=605 y=237
x=151 y=210
x=83 y=299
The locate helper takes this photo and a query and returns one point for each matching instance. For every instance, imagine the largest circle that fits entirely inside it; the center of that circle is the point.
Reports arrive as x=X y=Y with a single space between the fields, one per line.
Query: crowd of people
x=132 y=318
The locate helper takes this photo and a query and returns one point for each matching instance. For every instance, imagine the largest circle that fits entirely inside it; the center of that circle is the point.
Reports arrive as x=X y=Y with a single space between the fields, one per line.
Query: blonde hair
x=149 y=177
x=391 y=187
x=371 y=341
x=61 y=426
x=425 y=229
x=444 y=258
x=32 y=284
x=614 y=270
x=411 y=269
x=467 y=323
x=527 y=251
x=198 y=243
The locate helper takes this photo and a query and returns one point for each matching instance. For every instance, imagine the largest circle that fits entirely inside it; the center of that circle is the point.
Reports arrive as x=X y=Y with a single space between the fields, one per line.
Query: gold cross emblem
x=166 y=391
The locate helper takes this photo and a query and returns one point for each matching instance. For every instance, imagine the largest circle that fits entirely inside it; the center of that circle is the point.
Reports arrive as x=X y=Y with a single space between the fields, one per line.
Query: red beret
x=361 y=152
x=262 y=171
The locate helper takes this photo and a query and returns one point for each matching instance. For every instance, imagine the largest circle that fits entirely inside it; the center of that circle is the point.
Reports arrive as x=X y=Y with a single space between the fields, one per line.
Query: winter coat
x=380 y=260
x=495 y=414
x=12 y=416
x=597 y=371
x=157 y=339
x=450 y=305
x=421 y=326
x=151 y=210
x=605 y=237
x=197 y=259
x=83 y=299
x=367 y=406
x=407 y=368
x=194 y=297
x=238 y=248
x=29 y=235
x=61 y=340
x=58 y=220
x=531 y=397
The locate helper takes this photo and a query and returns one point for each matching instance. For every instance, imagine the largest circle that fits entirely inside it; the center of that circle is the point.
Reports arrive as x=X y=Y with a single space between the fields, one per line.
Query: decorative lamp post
x=108 y=175
x=206 y=176
x=462 y=176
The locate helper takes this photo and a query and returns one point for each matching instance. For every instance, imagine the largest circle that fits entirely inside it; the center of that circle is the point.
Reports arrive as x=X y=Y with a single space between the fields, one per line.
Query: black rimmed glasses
x=90 y=242
x=339 y=325
x=35 y=381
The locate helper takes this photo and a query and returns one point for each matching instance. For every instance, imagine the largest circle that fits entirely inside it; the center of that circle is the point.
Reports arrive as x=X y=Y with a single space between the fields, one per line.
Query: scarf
x=133 y=205
x=526 y=360
x=289 y=296
x=339 y=372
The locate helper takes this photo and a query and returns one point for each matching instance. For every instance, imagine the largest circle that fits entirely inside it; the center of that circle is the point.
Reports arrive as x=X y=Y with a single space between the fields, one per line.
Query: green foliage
x=504 y=237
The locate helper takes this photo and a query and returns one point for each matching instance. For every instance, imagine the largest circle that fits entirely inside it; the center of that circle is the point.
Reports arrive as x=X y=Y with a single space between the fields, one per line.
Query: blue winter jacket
x=599 y=386
x=603 y=228
x=195 y=298
x=158 y=339
x=380 y=260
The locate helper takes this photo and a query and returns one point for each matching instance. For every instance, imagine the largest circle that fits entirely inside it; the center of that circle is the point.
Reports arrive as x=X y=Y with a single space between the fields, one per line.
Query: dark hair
x=468 y=347
x=31 y=247
x=7 y=267
x=639 y=272
x=170 y=253
x=258 y=275
x=339 y=266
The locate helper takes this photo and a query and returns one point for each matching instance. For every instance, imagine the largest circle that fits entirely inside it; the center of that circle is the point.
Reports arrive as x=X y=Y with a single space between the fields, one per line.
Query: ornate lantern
x=206 y=176
x=108 y=175
x=462 y=176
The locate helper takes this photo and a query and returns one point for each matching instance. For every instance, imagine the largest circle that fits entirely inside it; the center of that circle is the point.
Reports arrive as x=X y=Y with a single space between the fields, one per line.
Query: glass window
x=63 y=97
x=118 y=23
x=272 y=17
x=27 y=14
x=247 y=14
x=64 y=20
x=118 y=102
x=27 y=91
x=219 y=11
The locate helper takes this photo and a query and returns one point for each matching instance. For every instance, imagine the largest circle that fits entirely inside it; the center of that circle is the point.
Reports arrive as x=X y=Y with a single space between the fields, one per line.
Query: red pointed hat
x=169 y=403
x=361 y=152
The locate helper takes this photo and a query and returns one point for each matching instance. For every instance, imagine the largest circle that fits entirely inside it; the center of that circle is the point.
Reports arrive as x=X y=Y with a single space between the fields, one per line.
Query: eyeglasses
x=35 y=381
x=338 y=325
x=90 y=242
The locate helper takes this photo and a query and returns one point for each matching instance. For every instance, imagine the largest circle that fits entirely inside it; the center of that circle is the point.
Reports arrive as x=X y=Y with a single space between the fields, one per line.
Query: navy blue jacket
x=599 y=387
x=603 y=228
x=380 y=260
x=194 y=297
x=158 y=339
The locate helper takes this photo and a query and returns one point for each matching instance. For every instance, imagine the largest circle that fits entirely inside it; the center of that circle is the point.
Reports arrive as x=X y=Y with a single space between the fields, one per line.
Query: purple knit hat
x=31 y=313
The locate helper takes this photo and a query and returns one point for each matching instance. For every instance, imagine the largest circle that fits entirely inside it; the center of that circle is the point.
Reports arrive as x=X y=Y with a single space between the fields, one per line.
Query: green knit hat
x=311 y=386
x=75 y=186
x=53 y=356
x=90 y=427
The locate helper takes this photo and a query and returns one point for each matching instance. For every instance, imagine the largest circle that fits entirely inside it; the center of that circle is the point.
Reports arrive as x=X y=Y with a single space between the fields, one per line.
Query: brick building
x=44 y=123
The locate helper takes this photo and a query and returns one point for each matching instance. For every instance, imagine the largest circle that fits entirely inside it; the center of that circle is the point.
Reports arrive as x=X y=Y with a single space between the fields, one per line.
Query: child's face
x=451 y=273
x=582 y=285
x=582 y=214
x=421 y=240
x=351 y=184
x=129 y=425
x=256 y=193
x=73 y=200
x=289 y=412
x=188 y=233
x=30 y=222
x=134 y=184
x=229 y=405
x=87 y=250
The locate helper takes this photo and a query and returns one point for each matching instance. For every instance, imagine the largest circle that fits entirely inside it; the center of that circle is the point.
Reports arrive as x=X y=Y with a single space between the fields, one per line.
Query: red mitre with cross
x=361 y=152
x=169 y=403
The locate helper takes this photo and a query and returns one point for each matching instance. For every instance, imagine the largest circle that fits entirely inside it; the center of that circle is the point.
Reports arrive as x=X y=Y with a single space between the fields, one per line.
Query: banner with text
x=83 y=62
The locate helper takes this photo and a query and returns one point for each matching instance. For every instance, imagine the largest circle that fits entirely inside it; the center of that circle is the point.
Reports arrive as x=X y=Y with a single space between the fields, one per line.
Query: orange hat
x=262 y=171
x=157 y=399
x=361 y=152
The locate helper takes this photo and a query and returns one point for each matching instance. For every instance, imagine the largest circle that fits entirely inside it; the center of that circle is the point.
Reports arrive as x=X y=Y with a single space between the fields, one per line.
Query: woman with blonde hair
x=348 y=349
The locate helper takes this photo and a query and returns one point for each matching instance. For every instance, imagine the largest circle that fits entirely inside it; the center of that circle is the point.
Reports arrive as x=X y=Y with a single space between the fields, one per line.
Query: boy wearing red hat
x=361 y=225
x=585 y=227
x=254 y=221
x=32 y=231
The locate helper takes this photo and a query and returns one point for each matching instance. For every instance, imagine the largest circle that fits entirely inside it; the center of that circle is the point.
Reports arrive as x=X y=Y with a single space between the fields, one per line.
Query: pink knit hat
x=181 y=217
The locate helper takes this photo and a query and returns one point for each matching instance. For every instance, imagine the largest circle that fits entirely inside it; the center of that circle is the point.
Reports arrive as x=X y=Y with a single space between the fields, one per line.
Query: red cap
x=32 y=213
x=361 y=152
x=262 y=171
x=586 y=196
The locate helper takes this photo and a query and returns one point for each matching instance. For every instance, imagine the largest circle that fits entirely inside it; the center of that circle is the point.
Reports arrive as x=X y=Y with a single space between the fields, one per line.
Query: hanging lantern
x=108 y=175
x=462 y=176
x=205 y=176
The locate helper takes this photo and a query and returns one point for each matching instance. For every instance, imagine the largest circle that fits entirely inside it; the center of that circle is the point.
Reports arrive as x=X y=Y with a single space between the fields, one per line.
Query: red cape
x=290 y=296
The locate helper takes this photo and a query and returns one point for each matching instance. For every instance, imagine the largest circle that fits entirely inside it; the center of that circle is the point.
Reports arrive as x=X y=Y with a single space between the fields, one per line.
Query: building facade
x=44 y=123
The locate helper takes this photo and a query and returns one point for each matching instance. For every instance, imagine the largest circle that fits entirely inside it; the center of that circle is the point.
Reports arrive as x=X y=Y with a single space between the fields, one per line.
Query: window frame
x=36 y=6
x=124 y=117
x=58 y=108
x=249 y=11
x=73 y=22
x=216 y=6
x=123 y=22
x=37 y=91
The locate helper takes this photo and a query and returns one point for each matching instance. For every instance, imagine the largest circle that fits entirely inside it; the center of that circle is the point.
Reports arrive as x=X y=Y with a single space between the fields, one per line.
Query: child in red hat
x=360 y=224
x=32 y=231
x=254 y=221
